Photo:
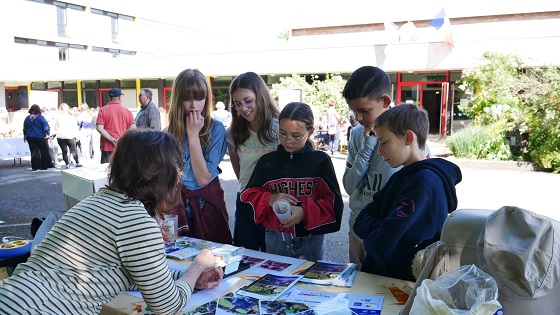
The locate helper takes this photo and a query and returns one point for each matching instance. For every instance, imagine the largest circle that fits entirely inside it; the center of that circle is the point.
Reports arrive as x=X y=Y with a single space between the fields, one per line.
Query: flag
x=441 y=22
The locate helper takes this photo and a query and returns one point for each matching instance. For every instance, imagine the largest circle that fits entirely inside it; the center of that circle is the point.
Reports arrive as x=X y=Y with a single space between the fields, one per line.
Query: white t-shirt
x=251 y=151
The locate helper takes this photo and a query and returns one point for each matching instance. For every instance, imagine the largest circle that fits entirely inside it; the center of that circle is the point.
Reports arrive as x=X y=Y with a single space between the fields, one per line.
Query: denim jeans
x=310 y=247
x=246 y=232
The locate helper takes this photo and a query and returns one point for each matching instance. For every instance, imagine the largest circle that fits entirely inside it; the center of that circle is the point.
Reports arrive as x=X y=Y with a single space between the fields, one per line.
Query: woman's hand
x=296 y=217
x=204 y=260
x=272 y=199
x=210 y=278
x=194 y=123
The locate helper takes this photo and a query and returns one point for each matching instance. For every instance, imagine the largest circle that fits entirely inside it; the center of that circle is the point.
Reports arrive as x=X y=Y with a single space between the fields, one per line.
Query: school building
x=74 y=51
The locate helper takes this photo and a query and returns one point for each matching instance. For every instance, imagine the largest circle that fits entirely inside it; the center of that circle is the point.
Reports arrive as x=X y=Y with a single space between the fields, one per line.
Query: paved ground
x=486 y=185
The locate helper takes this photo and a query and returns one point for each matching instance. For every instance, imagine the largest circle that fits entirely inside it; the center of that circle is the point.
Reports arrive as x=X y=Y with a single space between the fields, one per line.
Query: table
x=395 y=291
x=82 y=182
x=14 y=148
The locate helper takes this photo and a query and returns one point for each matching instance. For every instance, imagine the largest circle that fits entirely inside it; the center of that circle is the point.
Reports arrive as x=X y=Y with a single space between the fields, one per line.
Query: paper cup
x=170 y=226
x=282 y=209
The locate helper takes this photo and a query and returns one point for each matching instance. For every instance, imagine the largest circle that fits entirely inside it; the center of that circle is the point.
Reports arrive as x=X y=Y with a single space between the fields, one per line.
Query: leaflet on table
x=187 y=247
x=263 y=263
x=337 y=303
x=330 y=273
x=269 y=287
x=233 y=303
x=202 y=296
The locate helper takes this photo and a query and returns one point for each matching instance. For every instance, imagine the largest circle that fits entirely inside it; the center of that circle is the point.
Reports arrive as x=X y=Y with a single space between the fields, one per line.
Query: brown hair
x=266 y=112
x=189 y=85
x=145 y=166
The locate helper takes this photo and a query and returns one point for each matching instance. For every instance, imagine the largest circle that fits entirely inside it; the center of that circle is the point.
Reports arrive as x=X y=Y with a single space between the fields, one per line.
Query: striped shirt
x=100 y=247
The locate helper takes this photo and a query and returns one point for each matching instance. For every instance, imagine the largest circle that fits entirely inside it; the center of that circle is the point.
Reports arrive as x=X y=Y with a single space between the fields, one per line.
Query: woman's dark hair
x=35 y=110
x=299 y=112
x=145 y=166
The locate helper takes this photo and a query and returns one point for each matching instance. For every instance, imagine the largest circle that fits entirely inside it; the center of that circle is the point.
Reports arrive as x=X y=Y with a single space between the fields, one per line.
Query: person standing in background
x=222 y=114
x=36 y=132
x=85 y=121
x=67 y=131
x=113 y=120
x=202 y=211
x=148 y=116
x=253 y=133
x=333 y=120
x=50 y=116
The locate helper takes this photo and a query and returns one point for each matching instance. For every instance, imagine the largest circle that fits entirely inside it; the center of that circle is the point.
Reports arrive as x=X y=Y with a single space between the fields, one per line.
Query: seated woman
x=110 y=241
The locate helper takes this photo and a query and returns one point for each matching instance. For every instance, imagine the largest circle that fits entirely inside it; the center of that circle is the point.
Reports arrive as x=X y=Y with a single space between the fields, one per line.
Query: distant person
x=296 y=172
x=202 y=209
x=352 y=122
x=222 y=114
x=67 y=131
x=367 y=95
x=85 y=122
x=332 y=120
x=110 y=241
x=253 y=133
x=113 y=120
x=36 y=132
x=50 y=116
x=406 y=215
x=148 y=116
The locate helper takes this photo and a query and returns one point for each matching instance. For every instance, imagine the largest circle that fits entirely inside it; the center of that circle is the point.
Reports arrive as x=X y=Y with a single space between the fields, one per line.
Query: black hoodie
x=407 y=215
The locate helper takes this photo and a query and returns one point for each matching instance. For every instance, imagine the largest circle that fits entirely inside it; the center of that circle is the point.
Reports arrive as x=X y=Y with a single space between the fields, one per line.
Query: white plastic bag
x=465 y=290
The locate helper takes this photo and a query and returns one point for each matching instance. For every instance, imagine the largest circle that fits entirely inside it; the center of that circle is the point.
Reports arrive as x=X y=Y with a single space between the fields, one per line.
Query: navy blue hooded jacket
x=407 y=215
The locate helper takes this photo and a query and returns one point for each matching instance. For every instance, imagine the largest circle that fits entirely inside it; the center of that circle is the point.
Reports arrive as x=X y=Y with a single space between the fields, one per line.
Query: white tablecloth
x=13 y=148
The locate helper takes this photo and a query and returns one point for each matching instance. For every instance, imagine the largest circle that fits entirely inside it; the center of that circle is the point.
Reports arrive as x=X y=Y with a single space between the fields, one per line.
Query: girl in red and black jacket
x=306 y=179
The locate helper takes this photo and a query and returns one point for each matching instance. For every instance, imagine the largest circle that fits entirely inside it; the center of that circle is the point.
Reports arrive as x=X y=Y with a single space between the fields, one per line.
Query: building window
x=63 y=54
x=61 y=21
x=115 y=29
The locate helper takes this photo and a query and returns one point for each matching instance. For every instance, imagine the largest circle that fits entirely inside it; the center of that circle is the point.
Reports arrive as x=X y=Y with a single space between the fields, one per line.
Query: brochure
x=337 y=303
x=232 y=303
x=329 y=273
x=205 y=309
x=264 y=263
x=269 y=287
x=187 y=248
x=286 y=308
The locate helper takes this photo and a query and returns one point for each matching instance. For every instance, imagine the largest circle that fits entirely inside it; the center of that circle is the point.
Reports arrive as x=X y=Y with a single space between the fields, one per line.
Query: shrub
x=480 y=142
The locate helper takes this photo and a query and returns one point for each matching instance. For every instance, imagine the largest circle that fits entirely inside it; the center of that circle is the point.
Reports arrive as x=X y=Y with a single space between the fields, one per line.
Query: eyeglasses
x=287 y=138
x=139 y=95
x=246 y=103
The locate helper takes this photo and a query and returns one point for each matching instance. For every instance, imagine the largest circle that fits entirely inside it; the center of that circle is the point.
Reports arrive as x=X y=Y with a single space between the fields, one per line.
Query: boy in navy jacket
x=406 y=215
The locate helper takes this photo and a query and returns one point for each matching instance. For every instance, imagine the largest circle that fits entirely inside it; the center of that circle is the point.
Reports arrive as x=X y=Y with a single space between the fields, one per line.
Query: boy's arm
x=360 y=150
x=415 y=214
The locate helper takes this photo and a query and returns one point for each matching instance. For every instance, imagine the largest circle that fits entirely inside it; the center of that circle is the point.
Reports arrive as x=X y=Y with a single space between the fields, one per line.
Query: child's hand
x=194 y=123
x=272 y=199
x=297 y=217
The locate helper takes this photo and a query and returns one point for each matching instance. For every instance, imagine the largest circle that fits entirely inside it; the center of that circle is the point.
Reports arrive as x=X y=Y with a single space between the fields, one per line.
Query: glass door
x=410 y=93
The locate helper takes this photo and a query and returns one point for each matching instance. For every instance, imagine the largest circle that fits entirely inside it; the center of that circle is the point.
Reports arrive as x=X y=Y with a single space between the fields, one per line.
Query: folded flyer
x=269 y=287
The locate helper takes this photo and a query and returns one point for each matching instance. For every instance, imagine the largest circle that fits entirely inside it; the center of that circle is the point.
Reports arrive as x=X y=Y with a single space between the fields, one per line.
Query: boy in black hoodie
x=407 y=215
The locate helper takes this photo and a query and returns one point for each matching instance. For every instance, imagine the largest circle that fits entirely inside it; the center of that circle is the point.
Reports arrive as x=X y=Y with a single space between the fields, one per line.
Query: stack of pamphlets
x=329 y=273
x=187 y=248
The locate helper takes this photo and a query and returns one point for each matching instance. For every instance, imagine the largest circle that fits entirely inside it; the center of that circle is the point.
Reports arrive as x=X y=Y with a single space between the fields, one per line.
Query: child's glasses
x=243 y=103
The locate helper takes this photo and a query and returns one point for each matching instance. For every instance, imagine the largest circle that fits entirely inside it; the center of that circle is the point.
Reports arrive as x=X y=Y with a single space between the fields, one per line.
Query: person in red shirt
x=112 y=121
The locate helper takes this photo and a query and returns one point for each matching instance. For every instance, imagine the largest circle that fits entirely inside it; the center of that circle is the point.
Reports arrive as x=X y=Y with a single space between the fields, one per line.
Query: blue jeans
x=310 y=247
x=246 y=232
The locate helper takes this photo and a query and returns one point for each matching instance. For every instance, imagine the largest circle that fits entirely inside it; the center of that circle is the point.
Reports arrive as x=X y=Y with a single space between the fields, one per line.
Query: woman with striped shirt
x=110 y=241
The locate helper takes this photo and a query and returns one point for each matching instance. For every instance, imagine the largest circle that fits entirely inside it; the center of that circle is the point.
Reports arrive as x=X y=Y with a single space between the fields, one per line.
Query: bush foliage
x=505 y=92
